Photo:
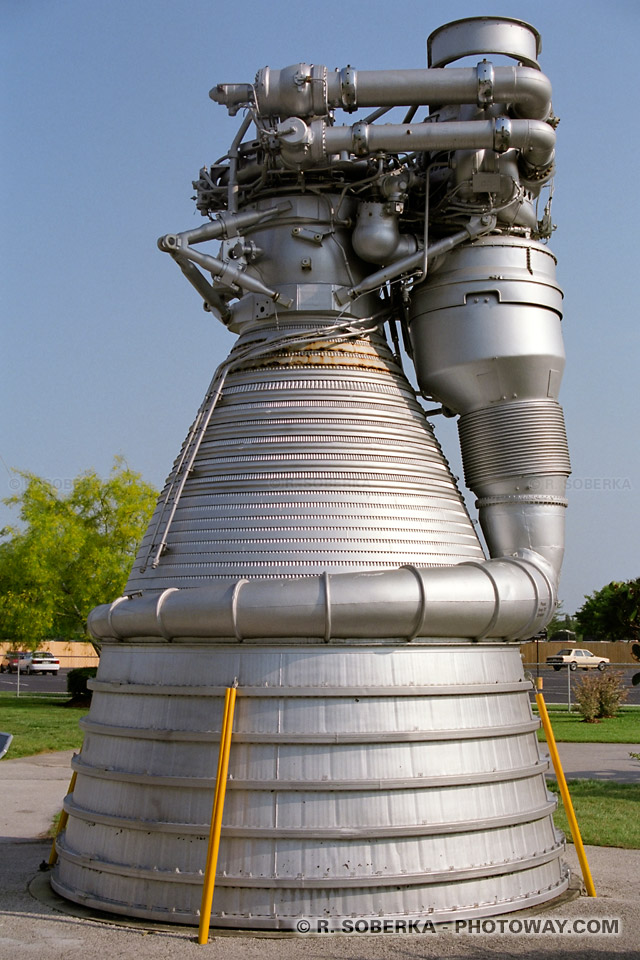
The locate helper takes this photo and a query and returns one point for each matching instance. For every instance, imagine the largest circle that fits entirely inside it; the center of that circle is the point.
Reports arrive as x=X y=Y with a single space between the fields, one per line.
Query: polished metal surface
x=311 y=545
x=480 y=35
x=486 y=325
x=367 y=780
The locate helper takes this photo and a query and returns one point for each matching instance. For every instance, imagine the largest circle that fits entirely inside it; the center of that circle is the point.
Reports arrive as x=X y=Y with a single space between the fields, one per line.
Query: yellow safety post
x=564 y=793
x=62 y=822
x=216 y=815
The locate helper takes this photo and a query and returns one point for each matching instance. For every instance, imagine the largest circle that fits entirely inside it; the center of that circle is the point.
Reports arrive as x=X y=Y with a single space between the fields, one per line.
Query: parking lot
x=35 y=682
x=555 y=683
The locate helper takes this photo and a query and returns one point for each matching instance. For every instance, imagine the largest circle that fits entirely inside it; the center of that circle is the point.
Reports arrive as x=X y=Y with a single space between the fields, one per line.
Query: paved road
x=35 y=683
x=555 y=683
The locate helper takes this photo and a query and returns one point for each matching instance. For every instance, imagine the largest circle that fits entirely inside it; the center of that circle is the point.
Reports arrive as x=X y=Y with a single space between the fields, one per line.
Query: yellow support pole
x=216 y=816
x=564 y=793
x=62 y=822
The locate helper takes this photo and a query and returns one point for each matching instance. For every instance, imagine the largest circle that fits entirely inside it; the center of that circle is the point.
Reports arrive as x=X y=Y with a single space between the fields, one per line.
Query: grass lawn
x=39 y=725
x=607 y=813
x=570 y=727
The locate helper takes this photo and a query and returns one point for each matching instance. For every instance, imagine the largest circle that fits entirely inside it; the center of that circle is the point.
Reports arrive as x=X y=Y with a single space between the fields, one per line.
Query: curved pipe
x=280 y=92
x=534 y=138
x=475 y=228
x=508 y=598
x=526 y=88
x=303 y=145
x=377 y=238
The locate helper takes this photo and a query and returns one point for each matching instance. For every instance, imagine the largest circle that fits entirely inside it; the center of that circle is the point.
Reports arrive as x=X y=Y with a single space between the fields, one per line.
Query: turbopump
x=311 y=545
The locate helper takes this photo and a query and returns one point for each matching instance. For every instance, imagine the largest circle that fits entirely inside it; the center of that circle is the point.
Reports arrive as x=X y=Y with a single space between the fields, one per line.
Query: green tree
x=612 y=613
x=562 y=621
x=70 y=553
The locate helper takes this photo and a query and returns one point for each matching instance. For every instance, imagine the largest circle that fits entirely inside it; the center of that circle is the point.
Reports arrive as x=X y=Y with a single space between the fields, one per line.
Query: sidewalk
x=32 y=790
x=597 y=761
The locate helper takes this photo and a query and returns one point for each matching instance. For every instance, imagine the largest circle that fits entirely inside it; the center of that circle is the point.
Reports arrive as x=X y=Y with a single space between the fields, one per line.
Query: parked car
x=10 y=661
x=41 y=662
x=575 y=658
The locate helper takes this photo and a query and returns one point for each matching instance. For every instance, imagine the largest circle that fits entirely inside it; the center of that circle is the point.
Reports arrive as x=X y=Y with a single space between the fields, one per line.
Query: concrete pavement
x=34 y=922
x=597 y=761
x=32 y=791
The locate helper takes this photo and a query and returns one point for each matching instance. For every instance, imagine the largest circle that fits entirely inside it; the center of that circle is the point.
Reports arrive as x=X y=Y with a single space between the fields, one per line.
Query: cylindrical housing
x=485 y=327
x=487 y=343
x=365 y=781
x=484 y=35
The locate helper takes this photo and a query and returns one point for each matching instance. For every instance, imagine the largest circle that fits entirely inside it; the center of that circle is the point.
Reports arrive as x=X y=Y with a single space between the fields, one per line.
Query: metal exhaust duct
x=311 y=543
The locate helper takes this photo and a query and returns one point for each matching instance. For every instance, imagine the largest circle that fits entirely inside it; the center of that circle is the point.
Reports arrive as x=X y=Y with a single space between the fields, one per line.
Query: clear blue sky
x=106 y=120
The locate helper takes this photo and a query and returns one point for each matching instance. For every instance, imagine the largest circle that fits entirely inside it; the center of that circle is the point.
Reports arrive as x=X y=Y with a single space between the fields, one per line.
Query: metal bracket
x=348 y=81
x=311 y=236
x=225 y=272
x=486 y=78
x=501 y=134
x=360 y=141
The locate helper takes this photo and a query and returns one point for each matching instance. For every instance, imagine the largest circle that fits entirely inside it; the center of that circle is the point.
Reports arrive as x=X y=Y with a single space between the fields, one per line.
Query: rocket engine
x=311 y=544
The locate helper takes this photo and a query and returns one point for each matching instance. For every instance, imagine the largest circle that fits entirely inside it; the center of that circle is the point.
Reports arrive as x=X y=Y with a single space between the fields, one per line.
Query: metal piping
x=281 y=92
x=526 y=88
x=307 y=144
x=415 y=261
x=507 y=598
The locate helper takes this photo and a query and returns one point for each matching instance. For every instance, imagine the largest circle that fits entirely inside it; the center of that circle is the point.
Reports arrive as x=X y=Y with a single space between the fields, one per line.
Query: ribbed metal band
x=513 y=439
x=243 y=881
x=417 y=690
x=324 y=786
x=314 y=460
x=546 y=891
x=377 y=736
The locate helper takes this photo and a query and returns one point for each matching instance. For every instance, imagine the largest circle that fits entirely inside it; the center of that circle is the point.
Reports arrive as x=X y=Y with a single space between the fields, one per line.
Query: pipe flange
x=540 y=499
x=348 y=88
x=486 y=78
x=501 y=134
x=360 y=139
x=319 y=90
x=536 y=174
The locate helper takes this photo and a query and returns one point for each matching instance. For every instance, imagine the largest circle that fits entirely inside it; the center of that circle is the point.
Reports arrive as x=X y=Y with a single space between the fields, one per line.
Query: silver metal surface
x=311 y=545
x=485 y=326
x=480 y=35
x=304 y=145
x=370 y=780
x=313 y=459
x=277 y=94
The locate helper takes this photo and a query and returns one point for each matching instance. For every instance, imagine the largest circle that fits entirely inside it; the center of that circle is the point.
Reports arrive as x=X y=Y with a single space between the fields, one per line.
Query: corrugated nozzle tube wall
x=513 y=439
x=311 y=544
